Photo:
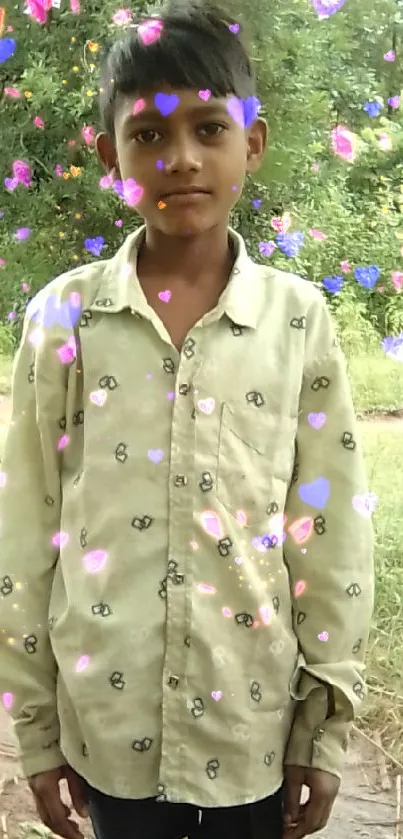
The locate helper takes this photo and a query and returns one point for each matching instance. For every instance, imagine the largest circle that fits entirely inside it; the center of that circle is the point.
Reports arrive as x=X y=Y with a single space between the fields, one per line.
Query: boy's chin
x=186 y=222
x=180 y=225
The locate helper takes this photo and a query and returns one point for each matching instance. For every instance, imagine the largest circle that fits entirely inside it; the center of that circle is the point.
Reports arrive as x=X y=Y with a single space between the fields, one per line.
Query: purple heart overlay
x=155 y=455
x=10 y=184
x=325 y=8
x=166 y=103
x=23 y=233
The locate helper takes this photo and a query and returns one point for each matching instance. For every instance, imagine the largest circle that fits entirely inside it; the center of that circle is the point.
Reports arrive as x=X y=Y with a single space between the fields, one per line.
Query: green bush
x=312 y=75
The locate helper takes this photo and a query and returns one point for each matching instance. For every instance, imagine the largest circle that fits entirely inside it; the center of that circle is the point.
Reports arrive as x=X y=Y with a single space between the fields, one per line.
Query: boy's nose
x=182 y=159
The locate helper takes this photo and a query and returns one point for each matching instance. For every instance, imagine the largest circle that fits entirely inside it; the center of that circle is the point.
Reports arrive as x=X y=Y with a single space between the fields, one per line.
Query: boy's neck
x=203 y=260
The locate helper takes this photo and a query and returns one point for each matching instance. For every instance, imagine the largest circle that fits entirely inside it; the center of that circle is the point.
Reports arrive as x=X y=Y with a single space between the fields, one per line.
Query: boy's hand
x=303 y=819
x=50 y=807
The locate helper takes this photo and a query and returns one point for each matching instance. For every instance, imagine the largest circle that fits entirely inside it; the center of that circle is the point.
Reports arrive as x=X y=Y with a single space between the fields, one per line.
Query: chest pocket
x=255 y=460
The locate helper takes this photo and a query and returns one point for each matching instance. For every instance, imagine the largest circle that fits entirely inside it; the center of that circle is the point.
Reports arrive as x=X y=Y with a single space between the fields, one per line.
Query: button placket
x=178 y=578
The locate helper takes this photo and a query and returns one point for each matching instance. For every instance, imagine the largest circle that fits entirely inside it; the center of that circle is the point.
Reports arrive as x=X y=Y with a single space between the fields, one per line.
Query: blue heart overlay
x=49 y=311
x=290 y=243
x=367 y=277
x=393 y=346
x=95 y=246
x=333 y=284
x=315 y=494
x=251 y=107
x=7 y=48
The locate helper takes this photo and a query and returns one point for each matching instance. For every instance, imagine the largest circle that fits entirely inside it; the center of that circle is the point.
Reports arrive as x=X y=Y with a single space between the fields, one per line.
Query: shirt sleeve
x=30 y=505
x=329 y=554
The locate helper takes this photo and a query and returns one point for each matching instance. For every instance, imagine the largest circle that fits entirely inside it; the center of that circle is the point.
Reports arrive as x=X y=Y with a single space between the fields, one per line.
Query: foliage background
x=312 y=75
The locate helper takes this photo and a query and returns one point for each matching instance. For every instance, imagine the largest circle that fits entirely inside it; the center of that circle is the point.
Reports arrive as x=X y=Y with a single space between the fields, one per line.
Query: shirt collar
x=119 y=287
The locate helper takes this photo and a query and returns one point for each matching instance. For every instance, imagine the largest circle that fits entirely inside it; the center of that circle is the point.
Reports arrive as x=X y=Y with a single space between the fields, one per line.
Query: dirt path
x=362 y=809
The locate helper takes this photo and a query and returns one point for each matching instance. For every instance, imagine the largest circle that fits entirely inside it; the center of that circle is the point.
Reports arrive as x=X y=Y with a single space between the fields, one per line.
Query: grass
x=384 y=709
x=35 y=831
x=5 y=374
x=377 y=385
x=377 y=382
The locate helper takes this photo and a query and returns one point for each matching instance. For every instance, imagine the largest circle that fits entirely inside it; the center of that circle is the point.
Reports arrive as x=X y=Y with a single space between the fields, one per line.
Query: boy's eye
x=211 y=129
x=145 y=134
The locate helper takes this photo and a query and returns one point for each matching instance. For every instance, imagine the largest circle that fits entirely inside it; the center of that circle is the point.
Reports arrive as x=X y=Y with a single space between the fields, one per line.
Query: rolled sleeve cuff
x=315 y=741
x=33 y=763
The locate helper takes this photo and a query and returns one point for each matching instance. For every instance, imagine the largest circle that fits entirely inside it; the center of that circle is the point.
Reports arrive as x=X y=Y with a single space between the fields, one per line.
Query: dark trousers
x=121 y=818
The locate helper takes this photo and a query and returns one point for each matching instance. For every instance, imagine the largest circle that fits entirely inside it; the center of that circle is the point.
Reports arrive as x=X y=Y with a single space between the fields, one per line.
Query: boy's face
x=196 y=145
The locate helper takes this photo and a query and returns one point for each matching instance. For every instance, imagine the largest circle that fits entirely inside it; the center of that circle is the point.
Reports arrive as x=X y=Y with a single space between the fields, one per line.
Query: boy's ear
x=106 y=153
x=257 y=144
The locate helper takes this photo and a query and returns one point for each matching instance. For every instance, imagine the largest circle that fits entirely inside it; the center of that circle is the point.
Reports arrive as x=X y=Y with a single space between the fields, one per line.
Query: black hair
x=196 y=50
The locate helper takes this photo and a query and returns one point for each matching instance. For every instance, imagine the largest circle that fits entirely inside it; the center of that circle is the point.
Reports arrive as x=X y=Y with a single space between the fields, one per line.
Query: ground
x=362 y=809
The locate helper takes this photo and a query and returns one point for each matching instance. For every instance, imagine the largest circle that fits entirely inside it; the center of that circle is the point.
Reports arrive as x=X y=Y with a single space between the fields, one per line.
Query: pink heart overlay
x=60 y=540
x=7 y=700
x=98 y=397
x=155 y=455
x=266 y=614
x=63 y=442
x=317 y=420
x=82 y=663
x=211 y=523
x=216 y=694
x=165 y=296
x=138 y=106
x=150 y=31
x=94 y=561
x=281 y=224
x=365 y=504
x=300 y=586
x=206 y=405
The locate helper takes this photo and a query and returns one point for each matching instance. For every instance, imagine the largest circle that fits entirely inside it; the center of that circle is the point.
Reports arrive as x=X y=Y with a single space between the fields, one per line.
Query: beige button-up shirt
x=186 y=557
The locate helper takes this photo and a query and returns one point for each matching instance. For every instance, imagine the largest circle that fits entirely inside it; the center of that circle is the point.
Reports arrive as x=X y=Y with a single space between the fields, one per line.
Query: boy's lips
x=185 y=191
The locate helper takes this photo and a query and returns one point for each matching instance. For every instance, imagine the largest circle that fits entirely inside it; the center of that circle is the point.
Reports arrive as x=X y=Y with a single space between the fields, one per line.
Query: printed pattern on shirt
x=211 y=530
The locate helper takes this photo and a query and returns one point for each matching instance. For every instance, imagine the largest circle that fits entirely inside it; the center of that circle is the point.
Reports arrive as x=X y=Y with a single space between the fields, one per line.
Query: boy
x=186 y=553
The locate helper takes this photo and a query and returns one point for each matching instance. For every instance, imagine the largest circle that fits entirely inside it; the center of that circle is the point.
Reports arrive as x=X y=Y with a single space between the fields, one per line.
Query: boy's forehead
x=170 y=103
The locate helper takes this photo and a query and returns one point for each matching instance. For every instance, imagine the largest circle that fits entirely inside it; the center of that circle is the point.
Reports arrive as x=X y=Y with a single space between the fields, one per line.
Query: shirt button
x=184 y=390
x=180 y=480
x=173 y=682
